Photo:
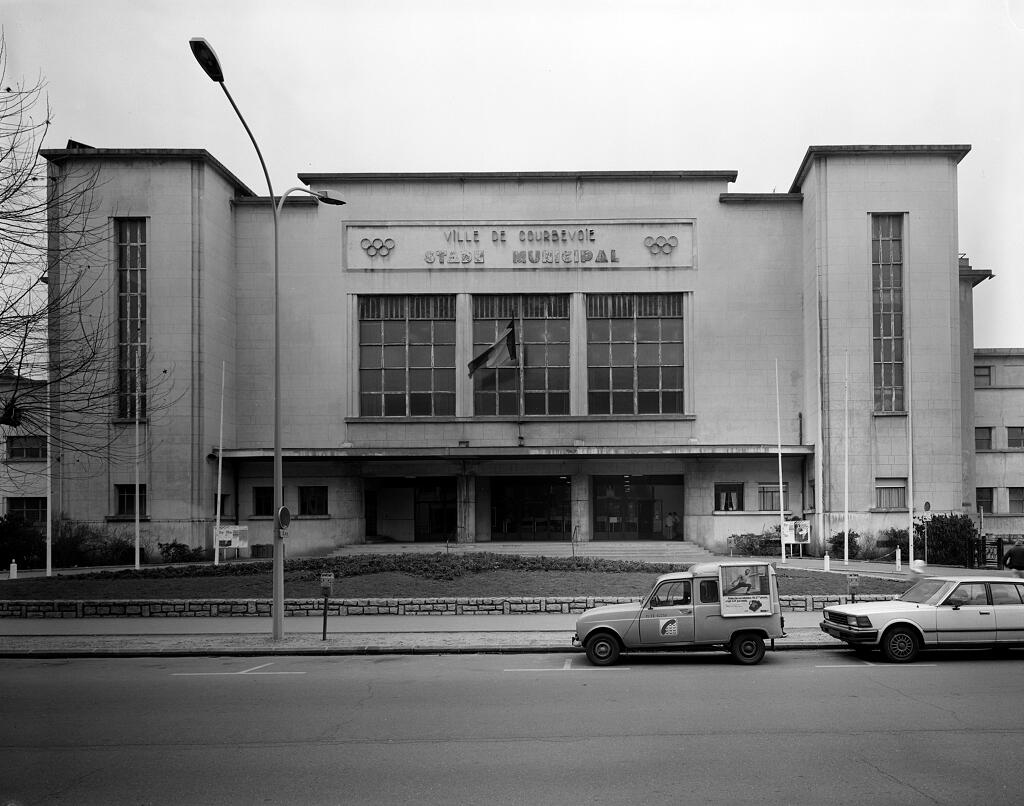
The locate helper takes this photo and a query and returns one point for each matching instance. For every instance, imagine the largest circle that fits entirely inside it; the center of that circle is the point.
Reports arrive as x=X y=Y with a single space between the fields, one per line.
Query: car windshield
x=923 y=591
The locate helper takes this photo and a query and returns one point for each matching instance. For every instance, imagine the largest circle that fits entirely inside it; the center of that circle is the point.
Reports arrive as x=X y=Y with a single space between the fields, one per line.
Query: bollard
x=828 y=563
x=899 y=560
x=14 y=570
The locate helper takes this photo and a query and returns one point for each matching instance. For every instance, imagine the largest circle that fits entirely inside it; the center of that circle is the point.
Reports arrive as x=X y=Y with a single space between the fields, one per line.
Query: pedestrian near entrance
x=1014 y=558
x=671 y=520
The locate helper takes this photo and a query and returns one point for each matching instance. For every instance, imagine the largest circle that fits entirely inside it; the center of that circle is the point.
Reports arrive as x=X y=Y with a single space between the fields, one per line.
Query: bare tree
x=58 y=356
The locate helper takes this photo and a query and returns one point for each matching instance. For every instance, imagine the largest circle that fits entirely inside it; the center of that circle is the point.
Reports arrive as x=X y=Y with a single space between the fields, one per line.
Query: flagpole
x=846 y=465
x=778 y=422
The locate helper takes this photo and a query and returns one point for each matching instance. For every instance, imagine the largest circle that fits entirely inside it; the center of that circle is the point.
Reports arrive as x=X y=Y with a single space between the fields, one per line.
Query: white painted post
x=899 y=558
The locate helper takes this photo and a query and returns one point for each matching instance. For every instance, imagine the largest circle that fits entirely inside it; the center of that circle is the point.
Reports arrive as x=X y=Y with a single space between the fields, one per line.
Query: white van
x=731 y=606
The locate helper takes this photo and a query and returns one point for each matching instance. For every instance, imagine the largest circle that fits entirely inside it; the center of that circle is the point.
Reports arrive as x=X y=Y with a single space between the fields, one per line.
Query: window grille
x=538 y=383
x=407 y=355
x=887 y=311
x=132 y=265
x=768 y=497
x=635 y=354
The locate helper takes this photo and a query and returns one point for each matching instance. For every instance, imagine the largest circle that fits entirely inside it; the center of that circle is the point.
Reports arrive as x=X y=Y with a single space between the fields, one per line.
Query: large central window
x=407 y=356
x=635 y=353
x=538 y=381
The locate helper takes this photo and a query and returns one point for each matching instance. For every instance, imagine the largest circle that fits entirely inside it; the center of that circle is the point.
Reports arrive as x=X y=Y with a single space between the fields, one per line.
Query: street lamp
x=208 y=61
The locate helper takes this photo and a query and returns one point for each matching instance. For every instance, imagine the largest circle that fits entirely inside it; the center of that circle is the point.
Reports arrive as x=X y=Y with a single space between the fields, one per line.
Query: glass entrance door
x=534 y=508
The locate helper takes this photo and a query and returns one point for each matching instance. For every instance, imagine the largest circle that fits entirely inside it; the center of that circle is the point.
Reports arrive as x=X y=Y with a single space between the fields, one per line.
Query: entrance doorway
x=631 y=507
x=534 y=508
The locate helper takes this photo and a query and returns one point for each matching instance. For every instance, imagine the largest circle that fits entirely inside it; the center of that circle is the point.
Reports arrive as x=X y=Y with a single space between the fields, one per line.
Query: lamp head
x=207 y=58
x=327 y=197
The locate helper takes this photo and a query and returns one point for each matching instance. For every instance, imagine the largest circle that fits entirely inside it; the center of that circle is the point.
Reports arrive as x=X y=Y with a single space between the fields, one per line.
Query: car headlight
x=861 y=621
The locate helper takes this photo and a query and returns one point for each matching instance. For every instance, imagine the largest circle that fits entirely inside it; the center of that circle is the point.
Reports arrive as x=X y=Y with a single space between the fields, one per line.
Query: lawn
x=402 y=576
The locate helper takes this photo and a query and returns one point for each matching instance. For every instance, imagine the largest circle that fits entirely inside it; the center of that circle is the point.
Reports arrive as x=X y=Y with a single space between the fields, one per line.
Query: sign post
x=853 y=584
x=327 y=589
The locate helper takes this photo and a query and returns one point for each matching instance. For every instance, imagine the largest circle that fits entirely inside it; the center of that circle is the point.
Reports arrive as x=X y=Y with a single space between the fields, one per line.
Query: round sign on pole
x=284 y=517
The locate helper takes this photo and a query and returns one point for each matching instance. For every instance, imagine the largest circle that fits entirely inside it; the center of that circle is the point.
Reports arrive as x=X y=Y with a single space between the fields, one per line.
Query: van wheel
x=602 y=649
x=900 y=645
x=747 y=648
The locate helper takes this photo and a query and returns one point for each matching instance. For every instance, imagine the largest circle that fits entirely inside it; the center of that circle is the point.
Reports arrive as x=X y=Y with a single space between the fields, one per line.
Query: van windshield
x=923 y=591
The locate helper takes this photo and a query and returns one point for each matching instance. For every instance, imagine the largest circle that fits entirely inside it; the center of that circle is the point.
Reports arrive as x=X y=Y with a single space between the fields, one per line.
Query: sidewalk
x=346 y=635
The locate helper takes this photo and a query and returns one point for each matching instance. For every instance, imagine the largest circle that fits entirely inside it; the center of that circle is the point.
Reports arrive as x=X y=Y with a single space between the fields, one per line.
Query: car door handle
x=985 y=612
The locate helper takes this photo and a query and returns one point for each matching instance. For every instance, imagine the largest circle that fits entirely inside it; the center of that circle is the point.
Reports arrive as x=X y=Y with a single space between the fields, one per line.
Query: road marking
x=875 y=665
x=255 y=670
x=575 y=669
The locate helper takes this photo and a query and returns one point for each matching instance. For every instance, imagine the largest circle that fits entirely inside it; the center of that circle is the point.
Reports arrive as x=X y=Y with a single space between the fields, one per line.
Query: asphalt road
x=801 y=728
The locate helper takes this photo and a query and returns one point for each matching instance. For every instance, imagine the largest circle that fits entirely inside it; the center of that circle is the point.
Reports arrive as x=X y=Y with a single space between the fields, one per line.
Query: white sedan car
x=937 y=613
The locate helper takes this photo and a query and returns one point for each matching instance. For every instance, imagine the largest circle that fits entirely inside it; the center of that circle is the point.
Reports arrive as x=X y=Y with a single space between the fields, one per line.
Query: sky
x=533 y=85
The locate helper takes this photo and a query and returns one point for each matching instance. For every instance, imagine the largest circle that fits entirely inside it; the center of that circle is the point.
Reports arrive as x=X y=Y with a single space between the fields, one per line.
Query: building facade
x=650 y=352
x=999 y=440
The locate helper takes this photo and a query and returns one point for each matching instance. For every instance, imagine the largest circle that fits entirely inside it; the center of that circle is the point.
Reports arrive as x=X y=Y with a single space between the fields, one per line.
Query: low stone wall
x=469 y=606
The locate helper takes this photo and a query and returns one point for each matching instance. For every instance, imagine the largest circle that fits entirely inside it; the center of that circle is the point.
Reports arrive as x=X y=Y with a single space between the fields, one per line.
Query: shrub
x=761 y=544
x=82 y=544
x=837 y=546
x=947 y=538
x=175 y=552
x=21 y=543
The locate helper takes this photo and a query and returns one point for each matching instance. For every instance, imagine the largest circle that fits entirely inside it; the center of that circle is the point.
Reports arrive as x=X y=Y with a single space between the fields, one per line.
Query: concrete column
x=466 y=508
x=463 y=355
x=483 y=509
x=578 y=351
x=582 y=519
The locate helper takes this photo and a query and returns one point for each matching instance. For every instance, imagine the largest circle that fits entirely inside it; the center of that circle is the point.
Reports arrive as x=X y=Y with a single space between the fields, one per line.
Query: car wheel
x=602 y=649
x=900 y=645
x=747 y=648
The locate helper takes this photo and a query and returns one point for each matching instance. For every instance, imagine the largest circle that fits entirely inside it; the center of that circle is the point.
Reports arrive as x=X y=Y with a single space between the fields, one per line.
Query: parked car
x=731 y=606
x=936 y=613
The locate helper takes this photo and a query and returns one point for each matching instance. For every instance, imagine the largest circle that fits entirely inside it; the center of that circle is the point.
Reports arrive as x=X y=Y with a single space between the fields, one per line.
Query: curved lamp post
x=208 y=61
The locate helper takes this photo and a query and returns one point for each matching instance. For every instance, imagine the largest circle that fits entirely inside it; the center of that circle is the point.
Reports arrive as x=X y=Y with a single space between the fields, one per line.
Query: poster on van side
x=746 y=590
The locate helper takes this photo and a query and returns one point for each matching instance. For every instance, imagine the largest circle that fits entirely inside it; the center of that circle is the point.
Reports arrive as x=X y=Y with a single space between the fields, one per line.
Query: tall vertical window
x=131 y=317
x=985 y=496
x=635 y=353
x=887 y=310
x=406 y=356
x=982 y=439
x=538 y=382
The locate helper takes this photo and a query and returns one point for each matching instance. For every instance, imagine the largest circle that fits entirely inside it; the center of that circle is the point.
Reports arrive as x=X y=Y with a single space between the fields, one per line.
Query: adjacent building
x=534 y=356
